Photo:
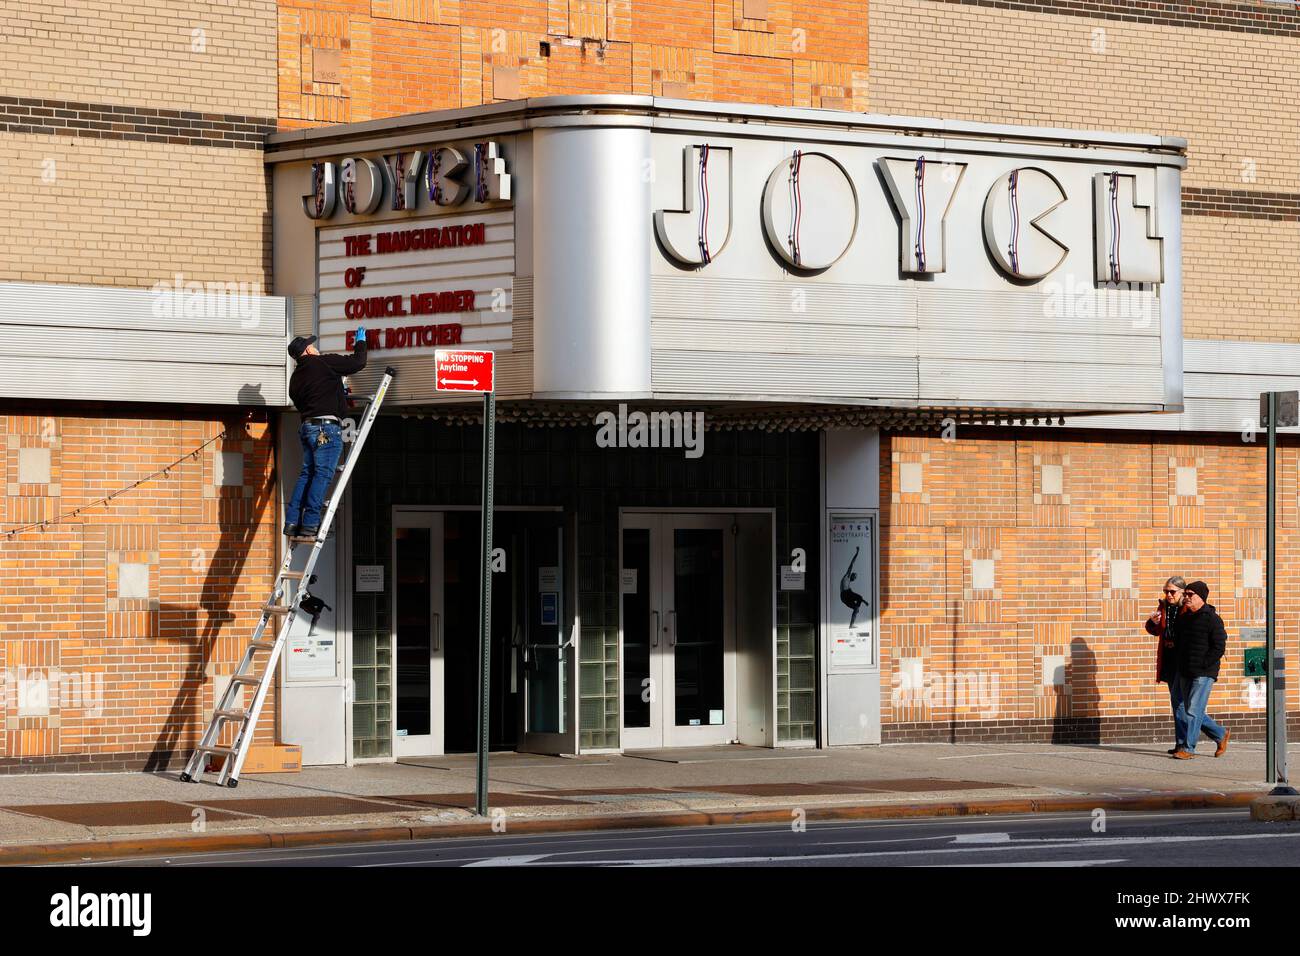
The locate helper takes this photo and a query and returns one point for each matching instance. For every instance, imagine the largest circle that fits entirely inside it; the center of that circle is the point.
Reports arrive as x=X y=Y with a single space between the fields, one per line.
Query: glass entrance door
x=679 y=667
x=417 y=631
x=543 y=632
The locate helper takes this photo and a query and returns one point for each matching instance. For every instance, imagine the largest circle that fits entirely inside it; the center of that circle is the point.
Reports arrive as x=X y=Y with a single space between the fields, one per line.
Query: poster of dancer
x=852 y=612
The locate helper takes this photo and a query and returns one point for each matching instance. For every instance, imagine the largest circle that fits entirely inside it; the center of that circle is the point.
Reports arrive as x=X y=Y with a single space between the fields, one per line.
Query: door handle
x=654 y=631
x=672 y=631
x=437 y=633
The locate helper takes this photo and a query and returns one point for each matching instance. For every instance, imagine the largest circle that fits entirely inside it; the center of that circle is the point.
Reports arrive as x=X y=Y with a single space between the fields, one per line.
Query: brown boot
x=1223 y=744
x=1184 y=755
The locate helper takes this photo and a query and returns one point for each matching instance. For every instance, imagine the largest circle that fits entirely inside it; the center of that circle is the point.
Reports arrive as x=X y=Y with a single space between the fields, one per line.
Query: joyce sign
x=811 y=213
x=444 y=176
x=464 y=370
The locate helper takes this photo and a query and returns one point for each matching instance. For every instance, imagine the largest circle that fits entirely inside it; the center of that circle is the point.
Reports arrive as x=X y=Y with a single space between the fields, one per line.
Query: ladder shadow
x=224 y=570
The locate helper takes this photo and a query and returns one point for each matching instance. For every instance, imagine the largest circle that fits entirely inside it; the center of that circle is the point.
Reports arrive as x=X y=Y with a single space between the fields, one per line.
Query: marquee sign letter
x=402 y=171
x=319 y=203
x=358 y=198
x=491 y=181
x=1128 y=248
x=442 y=179
x=810 y=210
x=697 y=233
x=922 y=191
x=1014 y=209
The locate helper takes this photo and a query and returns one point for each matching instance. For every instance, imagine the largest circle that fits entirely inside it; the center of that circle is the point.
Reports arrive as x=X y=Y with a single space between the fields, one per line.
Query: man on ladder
x=316 y=389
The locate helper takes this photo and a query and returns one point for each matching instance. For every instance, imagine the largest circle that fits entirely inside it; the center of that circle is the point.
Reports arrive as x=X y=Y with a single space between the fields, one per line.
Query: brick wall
x=405 y=56
x=1211 y=72
x=132 y=141
x=1015 y=583
x=117 y=622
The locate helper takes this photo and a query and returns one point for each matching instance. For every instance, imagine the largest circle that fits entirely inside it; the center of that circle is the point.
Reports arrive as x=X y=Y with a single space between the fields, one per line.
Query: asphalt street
x=1197 y=838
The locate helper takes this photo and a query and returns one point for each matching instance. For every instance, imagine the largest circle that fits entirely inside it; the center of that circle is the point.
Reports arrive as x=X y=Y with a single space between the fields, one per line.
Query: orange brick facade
x=1015 y=583
x=117 y=620
x=353 y=60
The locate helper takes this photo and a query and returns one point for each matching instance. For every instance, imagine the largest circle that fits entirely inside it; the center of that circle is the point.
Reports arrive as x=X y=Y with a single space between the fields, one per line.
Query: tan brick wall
x=136 y=653
x=1240 y=279
x=108 y=212
x=1217 y=88
x=1053 y=556
x=217 y=56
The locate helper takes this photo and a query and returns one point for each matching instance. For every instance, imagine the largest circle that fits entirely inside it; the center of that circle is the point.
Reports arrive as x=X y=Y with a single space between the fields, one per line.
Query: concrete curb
x=142 y=846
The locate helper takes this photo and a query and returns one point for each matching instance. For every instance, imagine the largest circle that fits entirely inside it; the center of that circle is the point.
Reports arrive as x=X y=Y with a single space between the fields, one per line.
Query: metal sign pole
x=485 y=601
x=1279 y=409
x=1270 y=633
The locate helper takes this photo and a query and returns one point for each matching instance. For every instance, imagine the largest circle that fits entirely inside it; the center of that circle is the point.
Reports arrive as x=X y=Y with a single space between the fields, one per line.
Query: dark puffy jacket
x=1200 y=640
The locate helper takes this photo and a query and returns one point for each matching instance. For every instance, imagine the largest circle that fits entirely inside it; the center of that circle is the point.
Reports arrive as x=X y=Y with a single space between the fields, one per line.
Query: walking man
x=316 y=389
x=1199 y=642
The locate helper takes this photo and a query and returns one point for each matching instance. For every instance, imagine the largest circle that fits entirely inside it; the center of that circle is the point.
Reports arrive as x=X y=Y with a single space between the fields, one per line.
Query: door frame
x=438 y=715
x=566 y=741
x=730 y=645
x=431 y=744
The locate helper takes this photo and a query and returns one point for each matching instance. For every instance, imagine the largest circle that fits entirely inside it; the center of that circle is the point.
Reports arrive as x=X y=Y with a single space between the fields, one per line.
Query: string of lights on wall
x=163 y=472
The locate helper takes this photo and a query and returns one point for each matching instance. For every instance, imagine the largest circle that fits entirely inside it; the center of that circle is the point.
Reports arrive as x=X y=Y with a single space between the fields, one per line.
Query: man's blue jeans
x=318 y=464
x=1193 y=696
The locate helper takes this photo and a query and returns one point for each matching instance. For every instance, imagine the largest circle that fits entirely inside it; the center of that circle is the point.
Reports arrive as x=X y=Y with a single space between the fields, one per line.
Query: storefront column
x=592 y=264
x=850 y=635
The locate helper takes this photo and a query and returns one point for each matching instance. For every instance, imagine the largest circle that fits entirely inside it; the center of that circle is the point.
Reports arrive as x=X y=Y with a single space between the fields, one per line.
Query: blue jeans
x=318 y=464
x=1193 y=697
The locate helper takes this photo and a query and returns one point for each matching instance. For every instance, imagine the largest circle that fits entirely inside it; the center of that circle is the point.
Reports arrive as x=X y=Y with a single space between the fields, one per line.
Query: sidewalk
x=70 y=816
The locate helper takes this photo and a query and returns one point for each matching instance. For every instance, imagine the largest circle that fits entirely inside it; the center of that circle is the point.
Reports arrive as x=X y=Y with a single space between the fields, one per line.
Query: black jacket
x=1166 y=657
x=1199 y=642
x=316 y=386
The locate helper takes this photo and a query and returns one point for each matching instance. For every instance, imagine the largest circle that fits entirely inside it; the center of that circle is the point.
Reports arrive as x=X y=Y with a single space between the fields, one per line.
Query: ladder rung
x=262 y=645
x=293 y=575
x=224 y=751
x=301 y=539
x=275 y=609
x=232 y=714
x=245 y=679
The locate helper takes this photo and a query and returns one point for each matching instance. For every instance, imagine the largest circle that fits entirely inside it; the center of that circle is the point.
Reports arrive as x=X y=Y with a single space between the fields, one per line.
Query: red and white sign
x=463 y=370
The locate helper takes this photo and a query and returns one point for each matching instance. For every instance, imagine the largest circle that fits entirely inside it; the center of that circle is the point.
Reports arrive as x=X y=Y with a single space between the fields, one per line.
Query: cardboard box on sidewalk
x=268 y=758
x=273 y=758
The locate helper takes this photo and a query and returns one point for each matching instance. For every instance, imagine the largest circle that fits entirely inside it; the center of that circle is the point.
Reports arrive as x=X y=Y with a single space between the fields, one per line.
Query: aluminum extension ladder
x=290 y=616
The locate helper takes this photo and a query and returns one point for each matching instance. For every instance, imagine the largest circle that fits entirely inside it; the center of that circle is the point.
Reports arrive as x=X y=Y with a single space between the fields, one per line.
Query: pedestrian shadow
x=1078 y=704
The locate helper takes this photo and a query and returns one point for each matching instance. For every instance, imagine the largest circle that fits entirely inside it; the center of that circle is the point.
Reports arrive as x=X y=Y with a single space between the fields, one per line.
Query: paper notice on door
x=548 y=579
x=370 y=578
x=627 y=581
x=791 y=580
x=715 y=718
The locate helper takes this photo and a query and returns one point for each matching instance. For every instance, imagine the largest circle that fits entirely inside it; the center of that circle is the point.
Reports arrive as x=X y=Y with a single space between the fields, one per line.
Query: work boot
x=308 y=532
x=1183 y=755
x=1223 y=744
x=1174 y=749
x=290 y=530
